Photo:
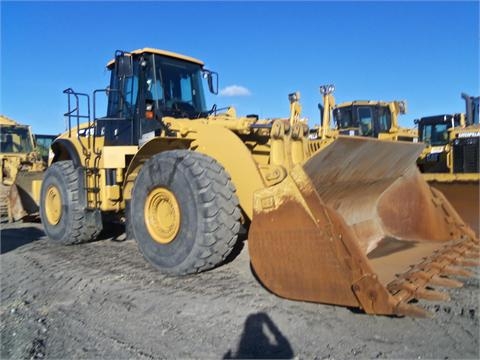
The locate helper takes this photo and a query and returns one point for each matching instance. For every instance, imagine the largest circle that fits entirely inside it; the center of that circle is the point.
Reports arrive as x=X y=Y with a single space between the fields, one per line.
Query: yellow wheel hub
x=53 y=205
x=162 y=215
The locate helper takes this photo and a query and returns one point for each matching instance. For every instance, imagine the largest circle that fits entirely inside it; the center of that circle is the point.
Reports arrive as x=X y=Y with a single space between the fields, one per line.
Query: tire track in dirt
x=102 y=300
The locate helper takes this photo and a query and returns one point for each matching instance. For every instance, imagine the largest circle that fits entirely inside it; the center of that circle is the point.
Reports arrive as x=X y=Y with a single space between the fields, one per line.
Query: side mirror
x=123 y=64
x=402 y=107
x=337 y=114
x=212 y=79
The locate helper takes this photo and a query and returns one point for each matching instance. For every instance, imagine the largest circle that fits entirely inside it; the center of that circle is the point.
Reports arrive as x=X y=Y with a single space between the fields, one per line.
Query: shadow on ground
x=113 y=231
x=261 y=339
x=11 y=239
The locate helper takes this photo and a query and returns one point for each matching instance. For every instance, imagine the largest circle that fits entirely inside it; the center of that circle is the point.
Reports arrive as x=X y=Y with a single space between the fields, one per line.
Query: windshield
x=365 y=120
x=434 y=134
x=343 y=118
x=43 y=144
x=15 y=139
x=178 y=87
x=433 y=130
x=358 y=117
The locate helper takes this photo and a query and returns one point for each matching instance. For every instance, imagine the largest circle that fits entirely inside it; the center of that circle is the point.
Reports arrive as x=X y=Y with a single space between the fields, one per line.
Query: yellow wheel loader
x=450 y=160
x=368 y=118
x=21 y=169
x=352 y=224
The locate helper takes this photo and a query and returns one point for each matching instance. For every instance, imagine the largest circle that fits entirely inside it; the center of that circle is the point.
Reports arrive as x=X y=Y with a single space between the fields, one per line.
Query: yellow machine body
x=21 y=170
x=456 y=176
x=345 y=220
x=367 y=118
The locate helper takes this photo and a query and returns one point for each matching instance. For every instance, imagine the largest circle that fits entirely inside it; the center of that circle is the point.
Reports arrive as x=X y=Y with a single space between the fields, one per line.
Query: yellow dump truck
x=22 y=168
x=352 y=223
x=450 y=160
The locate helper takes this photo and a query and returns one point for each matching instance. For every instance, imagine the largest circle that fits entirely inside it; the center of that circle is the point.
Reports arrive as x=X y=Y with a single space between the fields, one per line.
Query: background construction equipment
x=450 y=160
x=22 y=167
x=369 y=118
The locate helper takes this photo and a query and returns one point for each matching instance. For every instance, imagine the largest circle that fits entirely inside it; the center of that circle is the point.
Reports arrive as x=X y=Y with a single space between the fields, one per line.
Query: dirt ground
x=102 y=300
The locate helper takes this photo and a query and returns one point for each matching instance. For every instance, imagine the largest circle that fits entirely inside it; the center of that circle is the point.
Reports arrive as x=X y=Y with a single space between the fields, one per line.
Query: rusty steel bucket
x=465 y=198
x=356 y=225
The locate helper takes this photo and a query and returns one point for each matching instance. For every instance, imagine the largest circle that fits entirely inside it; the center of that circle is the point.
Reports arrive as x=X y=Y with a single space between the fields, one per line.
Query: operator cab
x=362 y=120
x=433 y=130
x=147 y=85
x=15 y=139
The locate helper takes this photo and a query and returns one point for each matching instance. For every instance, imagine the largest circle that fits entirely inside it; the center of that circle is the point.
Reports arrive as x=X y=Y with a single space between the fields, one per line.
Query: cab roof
x=160 y=52
x=363 y=103
x=5 y=120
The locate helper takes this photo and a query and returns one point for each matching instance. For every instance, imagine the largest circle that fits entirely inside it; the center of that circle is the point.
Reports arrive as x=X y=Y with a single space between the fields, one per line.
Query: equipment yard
x=102 y=300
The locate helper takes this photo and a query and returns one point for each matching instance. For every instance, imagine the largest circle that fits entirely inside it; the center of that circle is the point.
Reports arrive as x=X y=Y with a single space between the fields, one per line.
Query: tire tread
x=218 y=206
x=79 y=230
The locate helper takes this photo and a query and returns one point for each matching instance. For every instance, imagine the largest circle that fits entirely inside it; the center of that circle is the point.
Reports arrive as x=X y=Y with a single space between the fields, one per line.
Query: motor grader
x=352 y=224
x=450 y=160
x=21 y=170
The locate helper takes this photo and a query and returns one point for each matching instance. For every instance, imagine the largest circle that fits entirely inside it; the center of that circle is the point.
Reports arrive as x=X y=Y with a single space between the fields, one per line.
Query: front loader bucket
x=356 y=225
x=25 y=194
x=465 y=198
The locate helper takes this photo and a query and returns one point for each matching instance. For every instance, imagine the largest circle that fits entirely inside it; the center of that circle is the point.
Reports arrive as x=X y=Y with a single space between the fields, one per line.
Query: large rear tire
x=62 y=206
x=184 y=213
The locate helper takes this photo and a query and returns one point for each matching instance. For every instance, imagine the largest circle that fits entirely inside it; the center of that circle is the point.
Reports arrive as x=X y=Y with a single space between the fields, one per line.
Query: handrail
x=75 y=112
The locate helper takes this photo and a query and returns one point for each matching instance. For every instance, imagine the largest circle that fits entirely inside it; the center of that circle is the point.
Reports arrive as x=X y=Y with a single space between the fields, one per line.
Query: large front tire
x=184 y=213
x=63 y=207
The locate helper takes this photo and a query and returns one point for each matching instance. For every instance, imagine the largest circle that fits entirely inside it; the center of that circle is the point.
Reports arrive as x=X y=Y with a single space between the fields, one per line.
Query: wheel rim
x=53 y=205
x=162 y=215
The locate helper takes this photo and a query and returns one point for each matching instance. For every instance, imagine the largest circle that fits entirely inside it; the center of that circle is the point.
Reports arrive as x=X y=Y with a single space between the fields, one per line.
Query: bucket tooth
x=416 y=276
x=473 y=247
x=441 y=265
x=405 y=309
x=445 y=282
x=469 y=249
x=432 y=295
x=419 y=292
x=471 y=254
x=468 y=262
x=465 y=259
x=453 y=270
x=449 y=258
x=433 y=280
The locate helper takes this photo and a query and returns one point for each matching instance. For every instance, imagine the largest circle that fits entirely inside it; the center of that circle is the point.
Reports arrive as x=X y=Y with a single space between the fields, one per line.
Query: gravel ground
x=102 y=300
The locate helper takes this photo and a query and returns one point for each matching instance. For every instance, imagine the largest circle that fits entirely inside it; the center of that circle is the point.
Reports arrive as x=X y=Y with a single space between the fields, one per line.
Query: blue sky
x=424 y=52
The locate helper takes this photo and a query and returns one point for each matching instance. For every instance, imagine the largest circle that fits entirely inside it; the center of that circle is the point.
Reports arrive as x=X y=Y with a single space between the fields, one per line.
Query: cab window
x=384 y=120
x=343 y=118
x=435 y=134
x=365 y=121
x=123 y=98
